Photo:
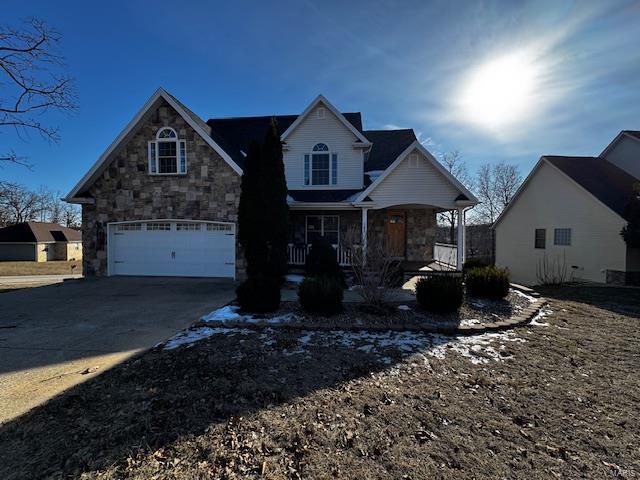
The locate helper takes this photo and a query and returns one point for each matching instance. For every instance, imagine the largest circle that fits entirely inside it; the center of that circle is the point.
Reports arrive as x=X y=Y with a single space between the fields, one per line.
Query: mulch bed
x=405 y=316
x=560 y=400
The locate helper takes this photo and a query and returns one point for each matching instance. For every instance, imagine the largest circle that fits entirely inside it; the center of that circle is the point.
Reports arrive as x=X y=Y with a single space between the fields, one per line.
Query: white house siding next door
x=172 y=249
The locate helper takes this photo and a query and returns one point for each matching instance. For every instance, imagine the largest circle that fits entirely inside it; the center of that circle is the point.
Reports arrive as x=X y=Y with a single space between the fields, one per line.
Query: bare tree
x=18 y=203
x=495 y=186
x=455 y=165
x=71 y=216
x=33 y=78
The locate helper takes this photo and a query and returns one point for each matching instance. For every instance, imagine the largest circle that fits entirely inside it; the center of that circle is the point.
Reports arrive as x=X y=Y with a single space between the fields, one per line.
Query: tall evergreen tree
x=274 y=191
x=251 y=215
x=631 y=231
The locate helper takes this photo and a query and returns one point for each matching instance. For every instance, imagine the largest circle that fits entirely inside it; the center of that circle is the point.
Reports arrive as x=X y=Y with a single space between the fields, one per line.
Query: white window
x=327 y=226
x=167 y=154
x=562 y=236
x=414 y=160
x=187 y=227
x=218 y=227
x=122 y=227
x=321 y=166
x=158 y=226
x=321 y=112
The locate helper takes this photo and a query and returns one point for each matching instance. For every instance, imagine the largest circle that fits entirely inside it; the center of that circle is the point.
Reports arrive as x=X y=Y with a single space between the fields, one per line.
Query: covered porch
x=408 y=232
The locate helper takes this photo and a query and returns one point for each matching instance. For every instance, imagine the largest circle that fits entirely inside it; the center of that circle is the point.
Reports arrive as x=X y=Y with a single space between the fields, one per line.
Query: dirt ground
x=557 y=399
x=55 y=267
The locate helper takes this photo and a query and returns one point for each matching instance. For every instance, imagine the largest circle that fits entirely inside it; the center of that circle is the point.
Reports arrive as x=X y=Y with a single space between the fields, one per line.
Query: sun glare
x=500 y=92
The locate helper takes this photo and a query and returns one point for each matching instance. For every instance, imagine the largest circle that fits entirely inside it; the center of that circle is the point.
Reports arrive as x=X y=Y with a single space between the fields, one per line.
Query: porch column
x=364 y=233
x=461 y=239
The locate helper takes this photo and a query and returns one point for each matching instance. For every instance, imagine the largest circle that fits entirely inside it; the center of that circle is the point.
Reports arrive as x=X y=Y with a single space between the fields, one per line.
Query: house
x=163 y=198
x=39 y=242
x=568 y=215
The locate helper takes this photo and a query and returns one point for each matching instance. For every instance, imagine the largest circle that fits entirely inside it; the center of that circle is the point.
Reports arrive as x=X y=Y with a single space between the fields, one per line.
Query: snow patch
x=295 y=278
x=405 y=308
x=524 y=295
x=191 y=336
x=544 y=312
x=230 y=312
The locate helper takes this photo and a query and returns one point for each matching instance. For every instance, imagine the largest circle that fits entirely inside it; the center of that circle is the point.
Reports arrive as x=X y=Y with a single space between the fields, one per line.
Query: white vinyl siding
x=553 y=201
x=626 y=155
x=336 y=135
x=415 y=181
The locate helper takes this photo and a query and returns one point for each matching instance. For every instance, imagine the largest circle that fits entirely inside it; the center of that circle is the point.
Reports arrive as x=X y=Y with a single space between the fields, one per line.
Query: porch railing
x=445 y=254
x=297 y=254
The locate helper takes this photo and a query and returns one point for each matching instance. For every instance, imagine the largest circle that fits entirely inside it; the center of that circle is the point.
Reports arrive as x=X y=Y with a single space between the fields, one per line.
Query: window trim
x=544 y=238
x=322 y=217
x=307 y=167
x=154 y=160
x=555 y=237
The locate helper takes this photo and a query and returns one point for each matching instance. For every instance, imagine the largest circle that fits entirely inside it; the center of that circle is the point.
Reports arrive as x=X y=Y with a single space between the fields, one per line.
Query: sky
x=494 y=80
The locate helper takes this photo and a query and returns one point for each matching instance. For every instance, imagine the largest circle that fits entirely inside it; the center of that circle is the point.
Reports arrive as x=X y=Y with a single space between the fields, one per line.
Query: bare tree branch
x=33 y=78
x=455 y=165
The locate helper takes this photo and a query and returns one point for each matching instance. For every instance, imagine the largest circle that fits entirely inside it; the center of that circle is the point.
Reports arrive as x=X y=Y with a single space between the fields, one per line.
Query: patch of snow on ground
x=191 y=336
x=225 y=313
x=478 y=349
x=230 y=312
x=465 y=322
x=404 y=307
x=292 y=277
x=524 y=295
x=545 y=312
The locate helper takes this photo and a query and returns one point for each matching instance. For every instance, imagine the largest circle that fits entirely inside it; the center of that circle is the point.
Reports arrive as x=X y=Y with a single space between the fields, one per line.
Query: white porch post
x=364 y=233
x=461 y=239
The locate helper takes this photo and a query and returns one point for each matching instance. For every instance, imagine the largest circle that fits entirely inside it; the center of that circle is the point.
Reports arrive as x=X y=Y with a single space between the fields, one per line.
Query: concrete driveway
x=55 y=336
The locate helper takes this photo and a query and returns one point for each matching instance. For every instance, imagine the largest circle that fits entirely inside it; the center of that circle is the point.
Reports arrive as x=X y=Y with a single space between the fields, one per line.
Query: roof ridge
x=390 y=130
x=269 y=116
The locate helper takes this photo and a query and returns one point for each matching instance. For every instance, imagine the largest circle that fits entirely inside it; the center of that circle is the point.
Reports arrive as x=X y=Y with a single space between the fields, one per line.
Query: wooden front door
x=396 y=232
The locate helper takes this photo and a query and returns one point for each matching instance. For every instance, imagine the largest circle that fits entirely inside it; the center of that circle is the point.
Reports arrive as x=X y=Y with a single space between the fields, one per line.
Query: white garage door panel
x=206 y=252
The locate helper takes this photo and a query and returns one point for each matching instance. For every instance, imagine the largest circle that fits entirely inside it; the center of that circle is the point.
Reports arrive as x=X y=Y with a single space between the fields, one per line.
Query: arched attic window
x=321 y=166
x=167 y=154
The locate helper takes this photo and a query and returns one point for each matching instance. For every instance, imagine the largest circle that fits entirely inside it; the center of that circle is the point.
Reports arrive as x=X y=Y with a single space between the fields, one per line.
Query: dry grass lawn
x=39 y=268
x=557 y=399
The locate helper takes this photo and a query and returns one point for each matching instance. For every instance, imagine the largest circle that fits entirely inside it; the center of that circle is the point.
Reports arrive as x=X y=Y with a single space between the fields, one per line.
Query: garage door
x=172 y=249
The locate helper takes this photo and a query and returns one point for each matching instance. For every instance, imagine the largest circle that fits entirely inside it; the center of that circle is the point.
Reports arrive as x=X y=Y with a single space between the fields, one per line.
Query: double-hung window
x=321 y=166
x=167 y=154
x=325 y=226
x=540 y=238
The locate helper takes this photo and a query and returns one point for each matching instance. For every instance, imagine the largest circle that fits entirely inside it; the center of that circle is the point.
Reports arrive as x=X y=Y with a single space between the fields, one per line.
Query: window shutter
x=183 y=156
x=334 y=169
x=306 y=169
x=152 y=157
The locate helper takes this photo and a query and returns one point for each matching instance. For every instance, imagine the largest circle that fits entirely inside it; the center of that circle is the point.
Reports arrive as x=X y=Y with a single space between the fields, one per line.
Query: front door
x=396 y=231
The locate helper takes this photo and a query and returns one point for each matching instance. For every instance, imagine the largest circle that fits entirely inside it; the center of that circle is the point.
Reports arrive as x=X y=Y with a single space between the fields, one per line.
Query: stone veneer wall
x=420 y=228
x=210 y=190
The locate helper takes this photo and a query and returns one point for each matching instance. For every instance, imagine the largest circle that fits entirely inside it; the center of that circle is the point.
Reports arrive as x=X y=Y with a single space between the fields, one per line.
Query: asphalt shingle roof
x=39 y=232
x=387 y=145
x=605 y=181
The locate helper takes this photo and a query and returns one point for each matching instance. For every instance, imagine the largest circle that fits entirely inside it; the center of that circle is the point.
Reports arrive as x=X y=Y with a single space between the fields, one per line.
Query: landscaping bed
x=556 y=399
x=359 y=316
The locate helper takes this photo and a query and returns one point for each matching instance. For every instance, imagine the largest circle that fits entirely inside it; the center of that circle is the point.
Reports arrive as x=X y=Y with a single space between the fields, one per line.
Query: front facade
x=163 y=198
x=567 y=216
x=40 y=242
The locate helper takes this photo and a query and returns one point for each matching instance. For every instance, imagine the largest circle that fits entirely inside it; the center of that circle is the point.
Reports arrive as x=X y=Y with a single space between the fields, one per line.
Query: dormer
x=324 y=149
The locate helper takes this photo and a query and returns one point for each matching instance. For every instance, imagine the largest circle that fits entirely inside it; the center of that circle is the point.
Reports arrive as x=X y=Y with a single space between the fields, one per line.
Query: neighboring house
x=569 y=211
x=163 y=198
x=39 y=242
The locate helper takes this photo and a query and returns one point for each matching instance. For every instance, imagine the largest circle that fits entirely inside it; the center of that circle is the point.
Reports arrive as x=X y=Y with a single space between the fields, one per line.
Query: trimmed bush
x=490 y=282
x=440 y=293
x=321 y=295
x=259 y=294
x=322 y=261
